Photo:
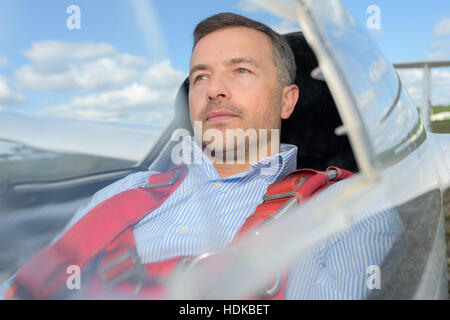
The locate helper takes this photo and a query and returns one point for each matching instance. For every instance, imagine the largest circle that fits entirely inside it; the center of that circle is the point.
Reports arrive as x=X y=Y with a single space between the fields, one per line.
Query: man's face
x=234 y=81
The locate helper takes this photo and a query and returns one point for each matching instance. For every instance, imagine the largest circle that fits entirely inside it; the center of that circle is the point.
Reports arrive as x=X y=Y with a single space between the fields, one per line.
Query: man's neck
x=228 y=169
x=225 y=170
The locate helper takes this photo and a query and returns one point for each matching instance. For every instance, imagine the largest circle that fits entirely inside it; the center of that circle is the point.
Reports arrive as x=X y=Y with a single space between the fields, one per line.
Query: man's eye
x=241 y=70
x=200 y=77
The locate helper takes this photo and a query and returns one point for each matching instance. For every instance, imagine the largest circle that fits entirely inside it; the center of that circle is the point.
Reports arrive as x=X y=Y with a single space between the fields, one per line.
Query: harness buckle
x=186 y=265
x=274 y=289
x=284 y=194
x=189 y=266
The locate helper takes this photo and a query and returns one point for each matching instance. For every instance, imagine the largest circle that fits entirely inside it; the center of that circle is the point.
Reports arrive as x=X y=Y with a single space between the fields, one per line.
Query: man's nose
x=217 y=87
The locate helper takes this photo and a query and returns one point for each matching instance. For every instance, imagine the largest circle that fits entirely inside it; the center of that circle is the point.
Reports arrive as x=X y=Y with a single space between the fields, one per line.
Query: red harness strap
x=302 y=184
x=44 y=275
x=315 y=182
x=107 y=229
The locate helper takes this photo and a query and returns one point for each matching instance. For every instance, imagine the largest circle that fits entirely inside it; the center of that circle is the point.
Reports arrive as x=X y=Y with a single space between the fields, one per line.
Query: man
x=241 y=78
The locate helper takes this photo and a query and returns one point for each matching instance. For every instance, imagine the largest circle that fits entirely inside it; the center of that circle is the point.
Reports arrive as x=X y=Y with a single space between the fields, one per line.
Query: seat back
x=311 y=127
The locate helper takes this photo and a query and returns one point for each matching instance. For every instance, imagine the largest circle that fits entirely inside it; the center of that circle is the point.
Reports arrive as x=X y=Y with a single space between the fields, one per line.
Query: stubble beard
x=240 y=145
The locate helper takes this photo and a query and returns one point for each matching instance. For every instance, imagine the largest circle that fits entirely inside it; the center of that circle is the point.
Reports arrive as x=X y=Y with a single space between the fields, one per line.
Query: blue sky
x=408 y=26
x=132 y=46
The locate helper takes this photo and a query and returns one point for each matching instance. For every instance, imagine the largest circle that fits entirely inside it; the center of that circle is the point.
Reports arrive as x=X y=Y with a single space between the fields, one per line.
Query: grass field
x=442 y=126
x=439 y=109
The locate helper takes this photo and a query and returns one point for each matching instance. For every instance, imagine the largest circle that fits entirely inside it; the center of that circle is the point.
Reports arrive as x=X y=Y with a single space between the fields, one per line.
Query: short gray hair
x=283 y=56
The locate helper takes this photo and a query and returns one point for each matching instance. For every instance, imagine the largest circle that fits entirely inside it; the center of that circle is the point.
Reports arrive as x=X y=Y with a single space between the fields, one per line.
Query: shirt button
x=182 y=229
x=217 y=184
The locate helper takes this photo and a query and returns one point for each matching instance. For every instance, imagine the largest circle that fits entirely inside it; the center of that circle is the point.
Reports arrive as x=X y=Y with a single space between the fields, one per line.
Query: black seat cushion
x=312 y=124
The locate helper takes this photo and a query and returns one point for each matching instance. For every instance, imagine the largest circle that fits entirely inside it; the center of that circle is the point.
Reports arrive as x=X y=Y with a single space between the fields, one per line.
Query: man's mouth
x=219 y=116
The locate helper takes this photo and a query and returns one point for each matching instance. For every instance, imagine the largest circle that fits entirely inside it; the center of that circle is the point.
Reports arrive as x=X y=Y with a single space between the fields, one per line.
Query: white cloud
x=368 y=98
x=130 y=61
x=440 y=47
x=443 y=28
x=441 y=96
x=438 y=55
x=441 y=77
x=3 y=62
x=43 y=52
x=109 y=85
x=7 y=96
x=150 y=99
x=64 y=66
x=132 y=96
x=416 y=94
x=412 y=79
x=439 y=44
x=378 y=69
x=162 y=75
x=103 y=73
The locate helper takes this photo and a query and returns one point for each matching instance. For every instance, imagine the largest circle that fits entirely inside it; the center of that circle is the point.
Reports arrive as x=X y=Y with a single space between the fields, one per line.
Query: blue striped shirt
x=206 y=211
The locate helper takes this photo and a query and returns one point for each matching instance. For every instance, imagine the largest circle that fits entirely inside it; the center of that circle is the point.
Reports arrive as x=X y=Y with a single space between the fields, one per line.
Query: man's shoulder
x=132 y=181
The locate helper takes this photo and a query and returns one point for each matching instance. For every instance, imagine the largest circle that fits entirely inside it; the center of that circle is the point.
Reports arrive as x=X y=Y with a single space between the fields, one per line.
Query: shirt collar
x=271 y=168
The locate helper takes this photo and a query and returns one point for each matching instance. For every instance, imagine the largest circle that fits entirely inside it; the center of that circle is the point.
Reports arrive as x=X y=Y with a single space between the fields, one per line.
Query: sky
x=127 y=59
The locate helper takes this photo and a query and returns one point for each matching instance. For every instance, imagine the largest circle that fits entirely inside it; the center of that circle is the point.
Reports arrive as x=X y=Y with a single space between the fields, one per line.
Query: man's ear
x=289 y=99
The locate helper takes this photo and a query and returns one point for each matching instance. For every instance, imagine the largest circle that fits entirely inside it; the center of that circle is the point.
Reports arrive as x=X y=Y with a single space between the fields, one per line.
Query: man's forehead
x=231 y=44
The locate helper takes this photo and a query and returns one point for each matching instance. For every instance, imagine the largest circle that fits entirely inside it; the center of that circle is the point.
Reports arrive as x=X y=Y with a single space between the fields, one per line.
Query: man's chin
x=229 y=123
x=223 y=155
